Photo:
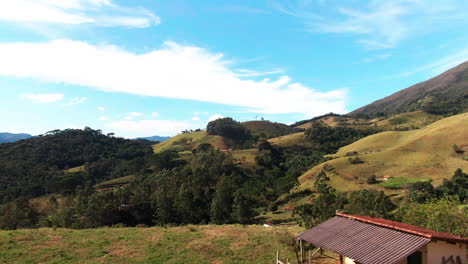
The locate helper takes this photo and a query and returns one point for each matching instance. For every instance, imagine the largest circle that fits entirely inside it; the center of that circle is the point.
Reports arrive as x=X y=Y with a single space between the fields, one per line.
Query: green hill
x=188 y=244
x=425 y=153
x=267 y=128
x=189 y=141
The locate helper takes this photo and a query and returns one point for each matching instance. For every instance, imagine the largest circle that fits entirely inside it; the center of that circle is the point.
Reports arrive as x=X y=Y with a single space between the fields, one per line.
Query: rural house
x=369 y=240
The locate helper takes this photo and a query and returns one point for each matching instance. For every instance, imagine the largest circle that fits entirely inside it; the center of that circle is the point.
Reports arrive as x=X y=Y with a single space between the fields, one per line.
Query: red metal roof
x=363 y=242
x=412 y=229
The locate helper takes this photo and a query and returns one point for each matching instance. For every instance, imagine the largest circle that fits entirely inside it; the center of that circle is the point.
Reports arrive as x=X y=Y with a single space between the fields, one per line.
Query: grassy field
x=189 y=141
x=418 y=154
x=118 y=181
x=245 y=157
x=188 y=244
x=288 y=140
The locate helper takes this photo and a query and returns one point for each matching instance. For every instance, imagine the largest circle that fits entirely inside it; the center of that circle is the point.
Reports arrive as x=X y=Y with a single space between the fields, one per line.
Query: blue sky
x=149 y=67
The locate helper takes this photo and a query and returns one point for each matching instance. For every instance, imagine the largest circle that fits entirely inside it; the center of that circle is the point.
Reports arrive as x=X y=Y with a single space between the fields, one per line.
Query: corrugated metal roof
x=412 y=229
x=363 y=242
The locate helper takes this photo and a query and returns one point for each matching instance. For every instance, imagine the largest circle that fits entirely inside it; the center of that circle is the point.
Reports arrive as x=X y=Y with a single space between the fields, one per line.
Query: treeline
x=329 y=139
x=441 y=209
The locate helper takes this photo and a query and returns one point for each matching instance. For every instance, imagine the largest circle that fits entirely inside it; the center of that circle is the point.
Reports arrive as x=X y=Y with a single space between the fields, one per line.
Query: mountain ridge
x=6 y=137
x=439 y=95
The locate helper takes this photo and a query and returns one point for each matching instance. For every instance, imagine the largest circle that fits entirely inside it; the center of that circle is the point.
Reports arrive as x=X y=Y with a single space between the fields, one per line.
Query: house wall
x=437 y=251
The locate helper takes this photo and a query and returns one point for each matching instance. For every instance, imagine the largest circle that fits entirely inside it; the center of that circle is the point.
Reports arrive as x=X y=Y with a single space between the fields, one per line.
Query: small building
x=387 y=177
x=369 y=240
x=288 y=209
x=268 y=224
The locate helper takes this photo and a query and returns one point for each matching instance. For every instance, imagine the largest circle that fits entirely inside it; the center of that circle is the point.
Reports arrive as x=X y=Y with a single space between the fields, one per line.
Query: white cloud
x=173 y=71
x=103 y=118
x=214 y=117
x=133 y=129
x=77 y=100
x=381 y=24
x=101 y=108
x=196 y=118
x=155 y=114
x=43 y=98
x=99 y=12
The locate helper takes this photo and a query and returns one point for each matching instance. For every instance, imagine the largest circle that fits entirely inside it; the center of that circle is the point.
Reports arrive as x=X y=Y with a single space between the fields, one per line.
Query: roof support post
x=302 y=250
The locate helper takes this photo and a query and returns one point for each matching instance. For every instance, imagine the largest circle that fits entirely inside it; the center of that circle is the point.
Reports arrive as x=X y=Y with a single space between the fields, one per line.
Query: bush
x=449 y=216
x=355 y=160
x=372 y=180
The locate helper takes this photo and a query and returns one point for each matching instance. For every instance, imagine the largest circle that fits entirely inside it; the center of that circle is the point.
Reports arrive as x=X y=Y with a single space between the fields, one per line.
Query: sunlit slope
x=267 y=128
x=422 y=153
x=288 y=140
x=409 y=120
x=189 y=141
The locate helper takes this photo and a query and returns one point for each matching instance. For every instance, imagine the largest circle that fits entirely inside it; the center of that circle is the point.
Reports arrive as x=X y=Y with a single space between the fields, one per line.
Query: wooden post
x=310 y=257
x=302 y=250
x=341 y=259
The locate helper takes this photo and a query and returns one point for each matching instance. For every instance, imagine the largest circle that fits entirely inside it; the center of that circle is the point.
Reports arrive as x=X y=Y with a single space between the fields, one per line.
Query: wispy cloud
x=101 y=108
x=381 y=24
x=377 y=57
x=239 y=9
x=132 y=115
x=74 y=12
x=173 y=71
x=441 y=65
x=42 y=98
x=77 y=100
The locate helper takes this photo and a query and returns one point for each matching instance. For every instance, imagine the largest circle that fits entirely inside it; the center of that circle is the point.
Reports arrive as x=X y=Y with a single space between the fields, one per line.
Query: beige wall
x=436 y=251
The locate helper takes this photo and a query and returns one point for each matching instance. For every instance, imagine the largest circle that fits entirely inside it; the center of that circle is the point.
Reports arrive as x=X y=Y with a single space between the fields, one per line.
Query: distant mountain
x=446 y=94
x=6 y=137
x=155 y=138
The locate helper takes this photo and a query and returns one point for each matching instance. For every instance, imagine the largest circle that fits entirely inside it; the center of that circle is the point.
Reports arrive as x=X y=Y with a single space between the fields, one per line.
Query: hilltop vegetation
x=266 y=129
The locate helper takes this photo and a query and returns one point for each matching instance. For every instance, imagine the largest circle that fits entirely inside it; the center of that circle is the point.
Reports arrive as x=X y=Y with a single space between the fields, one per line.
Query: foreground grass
x=189 y=244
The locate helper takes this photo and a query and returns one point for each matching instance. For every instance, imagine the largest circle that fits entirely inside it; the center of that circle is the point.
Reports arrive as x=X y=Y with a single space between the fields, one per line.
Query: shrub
x=355 y=160
x=372 y=180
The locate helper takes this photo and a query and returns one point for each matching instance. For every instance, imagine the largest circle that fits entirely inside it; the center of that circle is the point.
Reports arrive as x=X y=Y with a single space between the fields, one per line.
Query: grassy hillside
x=179 y=140
x=267 y=128
x=402 y=121
x=288 y=140
x=419 y=154
x=189 y=244
x=189 y=141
